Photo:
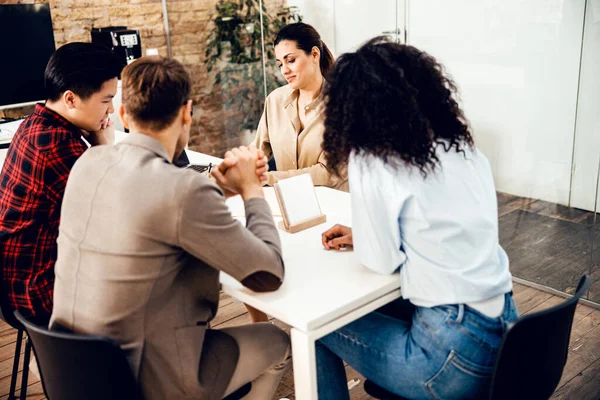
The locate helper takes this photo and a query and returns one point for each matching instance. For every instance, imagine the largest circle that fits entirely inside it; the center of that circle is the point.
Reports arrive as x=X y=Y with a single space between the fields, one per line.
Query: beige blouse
x=296 y=151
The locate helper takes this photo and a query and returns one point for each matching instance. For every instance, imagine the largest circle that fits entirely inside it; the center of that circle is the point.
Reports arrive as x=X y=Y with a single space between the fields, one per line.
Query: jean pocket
x=459 y=378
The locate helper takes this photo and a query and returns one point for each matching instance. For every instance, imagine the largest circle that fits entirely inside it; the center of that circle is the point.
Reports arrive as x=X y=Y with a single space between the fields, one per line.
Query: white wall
x=517 y=64
x=117 y=101
x=346 y=24
x=356 y=21
x=319 y=14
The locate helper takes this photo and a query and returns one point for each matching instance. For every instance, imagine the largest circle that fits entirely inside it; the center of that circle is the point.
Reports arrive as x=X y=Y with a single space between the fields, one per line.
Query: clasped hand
x=243 y=171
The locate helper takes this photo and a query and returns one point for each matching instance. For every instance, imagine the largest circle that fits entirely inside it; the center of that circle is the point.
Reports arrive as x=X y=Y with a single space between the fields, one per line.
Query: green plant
x=234 y=49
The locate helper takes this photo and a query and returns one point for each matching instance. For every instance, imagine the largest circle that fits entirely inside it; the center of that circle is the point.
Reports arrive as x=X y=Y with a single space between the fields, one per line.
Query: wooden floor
x=550 y=244
x=580 y=380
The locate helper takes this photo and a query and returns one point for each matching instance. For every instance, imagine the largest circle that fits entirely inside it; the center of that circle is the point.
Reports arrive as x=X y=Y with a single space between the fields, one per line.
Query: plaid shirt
x=32 y=185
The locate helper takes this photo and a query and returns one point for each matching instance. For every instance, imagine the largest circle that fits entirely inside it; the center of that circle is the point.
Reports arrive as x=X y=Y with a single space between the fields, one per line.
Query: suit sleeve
x=251 y=254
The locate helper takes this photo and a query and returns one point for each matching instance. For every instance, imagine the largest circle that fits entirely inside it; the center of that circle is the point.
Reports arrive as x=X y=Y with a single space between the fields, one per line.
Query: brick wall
x=189 y=20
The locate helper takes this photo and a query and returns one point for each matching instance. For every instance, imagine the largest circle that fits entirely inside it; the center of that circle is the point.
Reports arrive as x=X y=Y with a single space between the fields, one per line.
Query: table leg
x=305 y=365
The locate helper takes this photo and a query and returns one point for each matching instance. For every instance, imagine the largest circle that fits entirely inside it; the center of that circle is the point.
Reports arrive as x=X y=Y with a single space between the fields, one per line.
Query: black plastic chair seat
x=240 y=393
x=379 y=392
x=75 y=367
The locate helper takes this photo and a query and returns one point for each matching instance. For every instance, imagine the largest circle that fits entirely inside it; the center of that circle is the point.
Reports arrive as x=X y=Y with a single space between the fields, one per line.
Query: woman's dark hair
x=307 y=37
x=80 y=67
x=392 y=101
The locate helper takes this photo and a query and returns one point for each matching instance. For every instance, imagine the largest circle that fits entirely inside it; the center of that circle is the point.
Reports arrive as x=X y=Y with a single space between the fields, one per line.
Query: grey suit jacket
x=140 y=247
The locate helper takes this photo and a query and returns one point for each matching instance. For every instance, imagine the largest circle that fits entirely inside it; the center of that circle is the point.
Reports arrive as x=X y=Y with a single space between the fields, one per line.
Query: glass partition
x=586 y=154
x=517 y=65
x=220 y=42
x=345 y=24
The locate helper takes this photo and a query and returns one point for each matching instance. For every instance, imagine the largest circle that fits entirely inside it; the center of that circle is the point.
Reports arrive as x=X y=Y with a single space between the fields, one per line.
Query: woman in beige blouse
x=291 y=127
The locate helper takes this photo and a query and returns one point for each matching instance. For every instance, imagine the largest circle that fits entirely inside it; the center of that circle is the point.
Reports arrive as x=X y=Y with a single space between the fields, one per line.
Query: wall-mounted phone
x=124 y=43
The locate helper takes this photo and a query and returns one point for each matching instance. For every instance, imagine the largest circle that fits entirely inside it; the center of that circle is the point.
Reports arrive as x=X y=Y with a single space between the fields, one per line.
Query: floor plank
x=550 y=244
x=228 y=312
x=529 y=298
x=557 y=211
x=584 y=386
x=517 y=287
x=34 y=392
x=32 y=382
x=549 y=251
x=508 y=203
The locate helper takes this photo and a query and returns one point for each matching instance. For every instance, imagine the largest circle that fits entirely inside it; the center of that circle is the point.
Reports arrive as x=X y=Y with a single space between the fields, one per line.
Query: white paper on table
x=299 y=198
x=237 y=209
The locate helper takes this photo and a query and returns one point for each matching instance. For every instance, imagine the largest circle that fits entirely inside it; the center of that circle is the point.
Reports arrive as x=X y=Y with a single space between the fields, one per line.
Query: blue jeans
x=445 y=352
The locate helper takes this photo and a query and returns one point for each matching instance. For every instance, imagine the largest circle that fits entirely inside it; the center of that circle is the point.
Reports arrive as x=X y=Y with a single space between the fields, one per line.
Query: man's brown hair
x=154 y=90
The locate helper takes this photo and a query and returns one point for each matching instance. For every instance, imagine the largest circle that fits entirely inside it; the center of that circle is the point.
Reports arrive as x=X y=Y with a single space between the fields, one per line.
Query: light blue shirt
x=442 y=231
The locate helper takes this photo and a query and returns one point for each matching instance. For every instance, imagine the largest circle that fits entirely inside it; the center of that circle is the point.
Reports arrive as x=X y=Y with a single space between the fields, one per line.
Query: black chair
x=74 y=367
x=380 y=393
x=272 y=164
x=532 y=355
x=6 y=314
x=240 y=393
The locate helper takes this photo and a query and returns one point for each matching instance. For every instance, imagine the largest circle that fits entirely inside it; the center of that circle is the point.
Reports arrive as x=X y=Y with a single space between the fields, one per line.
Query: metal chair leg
x=15 y=371
x=25 y=376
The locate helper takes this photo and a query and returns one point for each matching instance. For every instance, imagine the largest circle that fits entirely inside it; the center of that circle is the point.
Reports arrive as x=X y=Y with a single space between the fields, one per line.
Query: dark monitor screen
x=27 y=42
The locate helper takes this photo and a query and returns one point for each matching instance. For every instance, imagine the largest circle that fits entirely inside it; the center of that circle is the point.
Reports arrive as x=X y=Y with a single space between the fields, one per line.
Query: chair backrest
x=75 y=367
x=534 y=352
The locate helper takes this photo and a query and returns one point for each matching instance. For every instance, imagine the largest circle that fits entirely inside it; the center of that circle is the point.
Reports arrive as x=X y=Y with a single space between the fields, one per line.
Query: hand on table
x=337 y=237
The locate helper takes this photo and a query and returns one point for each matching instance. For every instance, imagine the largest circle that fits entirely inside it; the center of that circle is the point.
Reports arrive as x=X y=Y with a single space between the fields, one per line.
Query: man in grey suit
x=141 y=244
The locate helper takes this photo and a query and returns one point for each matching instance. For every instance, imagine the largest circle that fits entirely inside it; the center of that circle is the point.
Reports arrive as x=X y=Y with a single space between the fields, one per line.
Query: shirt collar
x=56 y=119
x=146 y=142
x=293 y=97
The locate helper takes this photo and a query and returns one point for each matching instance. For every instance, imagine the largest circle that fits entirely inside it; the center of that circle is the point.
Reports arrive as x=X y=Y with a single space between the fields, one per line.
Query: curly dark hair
x=392 y=101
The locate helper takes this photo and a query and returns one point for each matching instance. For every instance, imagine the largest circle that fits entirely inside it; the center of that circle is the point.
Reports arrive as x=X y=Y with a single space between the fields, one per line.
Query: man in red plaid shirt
x=81 y=81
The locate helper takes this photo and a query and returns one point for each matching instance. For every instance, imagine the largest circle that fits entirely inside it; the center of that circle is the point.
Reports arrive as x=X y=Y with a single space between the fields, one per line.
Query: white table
x=322 y=290
x=193 y=156
x=10 y=127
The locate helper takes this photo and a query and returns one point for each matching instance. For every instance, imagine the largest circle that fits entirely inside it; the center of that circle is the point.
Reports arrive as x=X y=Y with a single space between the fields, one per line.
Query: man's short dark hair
x=154 y=90
x=80 y=67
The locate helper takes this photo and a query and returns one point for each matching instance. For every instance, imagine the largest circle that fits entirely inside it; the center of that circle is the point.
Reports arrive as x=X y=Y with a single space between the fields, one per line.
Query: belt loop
x=506 y=312
x=461 y=313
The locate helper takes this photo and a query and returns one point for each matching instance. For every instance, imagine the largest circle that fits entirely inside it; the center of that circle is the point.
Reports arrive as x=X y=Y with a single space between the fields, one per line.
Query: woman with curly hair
x=423 y=202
